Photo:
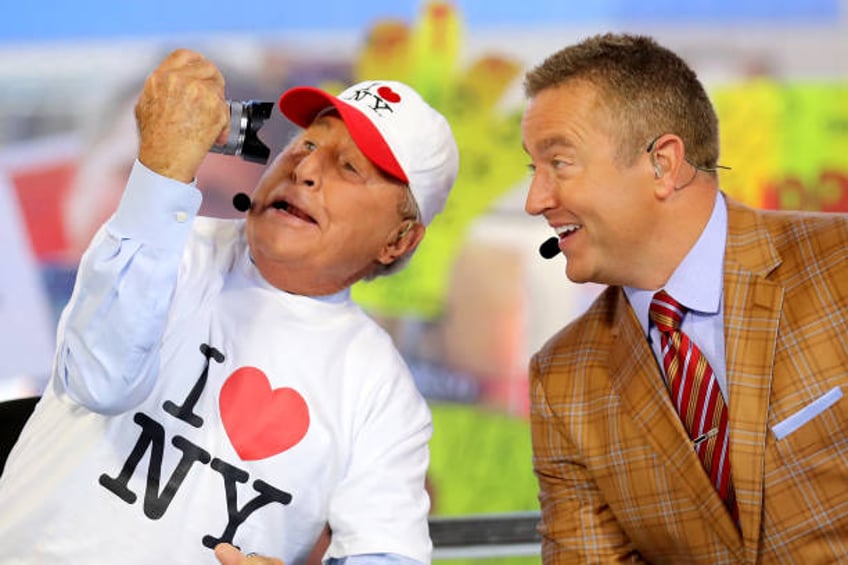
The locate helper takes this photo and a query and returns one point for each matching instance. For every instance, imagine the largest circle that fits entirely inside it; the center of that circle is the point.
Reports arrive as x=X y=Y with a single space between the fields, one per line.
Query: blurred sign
x=787 y=144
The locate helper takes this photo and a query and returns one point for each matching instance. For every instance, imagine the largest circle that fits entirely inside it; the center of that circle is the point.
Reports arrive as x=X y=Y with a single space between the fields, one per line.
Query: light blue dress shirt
x=697 y=284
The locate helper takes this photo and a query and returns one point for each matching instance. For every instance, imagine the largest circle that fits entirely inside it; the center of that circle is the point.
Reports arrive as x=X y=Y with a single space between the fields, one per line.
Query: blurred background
x=477 y=299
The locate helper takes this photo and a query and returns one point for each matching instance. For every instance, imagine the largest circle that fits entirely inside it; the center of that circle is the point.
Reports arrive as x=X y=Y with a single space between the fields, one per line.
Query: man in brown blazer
x=624 y=147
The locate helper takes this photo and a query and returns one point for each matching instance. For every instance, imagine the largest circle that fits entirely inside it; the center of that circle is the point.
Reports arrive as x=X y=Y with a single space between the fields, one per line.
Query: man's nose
x=307 y=170
x=541 y=196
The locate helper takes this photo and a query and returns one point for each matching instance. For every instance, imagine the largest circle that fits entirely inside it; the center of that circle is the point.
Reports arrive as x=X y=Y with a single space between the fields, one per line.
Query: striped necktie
x=696 y=396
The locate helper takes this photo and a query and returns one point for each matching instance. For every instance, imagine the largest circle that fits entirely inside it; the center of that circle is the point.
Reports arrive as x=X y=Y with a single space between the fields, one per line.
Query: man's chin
x=575 y=274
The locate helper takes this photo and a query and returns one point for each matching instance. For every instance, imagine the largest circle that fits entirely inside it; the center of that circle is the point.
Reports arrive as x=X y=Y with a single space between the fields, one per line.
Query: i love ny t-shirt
x=263 y=416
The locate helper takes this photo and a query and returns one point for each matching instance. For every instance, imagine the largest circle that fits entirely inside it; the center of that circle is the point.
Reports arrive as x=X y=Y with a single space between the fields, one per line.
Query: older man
x=214 y=384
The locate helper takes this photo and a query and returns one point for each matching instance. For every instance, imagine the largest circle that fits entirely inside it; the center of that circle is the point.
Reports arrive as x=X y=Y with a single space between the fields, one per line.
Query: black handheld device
x=245 y=120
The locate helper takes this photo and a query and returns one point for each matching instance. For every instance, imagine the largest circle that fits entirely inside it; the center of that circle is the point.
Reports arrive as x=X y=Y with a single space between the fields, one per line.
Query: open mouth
x=290 y=208
x=567 y=230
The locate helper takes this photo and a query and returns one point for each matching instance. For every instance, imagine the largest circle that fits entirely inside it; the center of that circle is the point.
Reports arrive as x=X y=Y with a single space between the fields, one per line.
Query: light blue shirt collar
x=697 y=281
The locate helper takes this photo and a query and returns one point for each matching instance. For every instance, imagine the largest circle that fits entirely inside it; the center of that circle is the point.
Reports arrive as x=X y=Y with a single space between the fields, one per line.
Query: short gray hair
x=409 y=211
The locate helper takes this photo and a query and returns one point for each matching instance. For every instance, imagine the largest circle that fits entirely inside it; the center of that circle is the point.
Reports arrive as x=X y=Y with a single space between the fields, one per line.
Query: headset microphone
x=549 y=248
x=241 y=202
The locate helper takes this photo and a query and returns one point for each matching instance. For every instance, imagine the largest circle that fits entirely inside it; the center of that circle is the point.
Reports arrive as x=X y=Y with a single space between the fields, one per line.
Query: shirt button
x=181 y=217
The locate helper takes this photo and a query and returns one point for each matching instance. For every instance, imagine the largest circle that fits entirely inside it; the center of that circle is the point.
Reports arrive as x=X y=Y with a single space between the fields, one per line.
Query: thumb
x=228 y=555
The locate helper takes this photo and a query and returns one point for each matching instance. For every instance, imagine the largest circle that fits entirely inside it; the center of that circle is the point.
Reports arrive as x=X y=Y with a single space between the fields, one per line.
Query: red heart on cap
x=261 y=422
x=387 y=94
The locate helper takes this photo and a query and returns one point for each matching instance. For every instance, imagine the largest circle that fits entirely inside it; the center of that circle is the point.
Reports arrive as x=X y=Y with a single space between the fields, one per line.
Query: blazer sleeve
x=577 y=524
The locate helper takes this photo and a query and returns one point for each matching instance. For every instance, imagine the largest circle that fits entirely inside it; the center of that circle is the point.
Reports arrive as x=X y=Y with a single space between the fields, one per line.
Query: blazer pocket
x=807 y=413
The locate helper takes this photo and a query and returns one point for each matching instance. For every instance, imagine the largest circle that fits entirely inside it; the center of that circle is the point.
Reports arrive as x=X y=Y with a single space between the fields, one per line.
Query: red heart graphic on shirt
x=388 y=94
x=261 y=422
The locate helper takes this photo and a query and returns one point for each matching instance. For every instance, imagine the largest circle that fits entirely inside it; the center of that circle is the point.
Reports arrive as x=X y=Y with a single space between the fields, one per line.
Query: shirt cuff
x=156 y=210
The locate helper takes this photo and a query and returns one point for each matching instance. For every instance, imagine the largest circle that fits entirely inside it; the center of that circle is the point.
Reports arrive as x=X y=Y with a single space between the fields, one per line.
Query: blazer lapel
x=752 y=306
x=637 y=380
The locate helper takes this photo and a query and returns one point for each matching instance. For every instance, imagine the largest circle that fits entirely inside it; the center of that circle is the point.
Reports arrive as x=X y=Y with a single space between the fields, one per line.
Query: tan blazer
x=619 y=480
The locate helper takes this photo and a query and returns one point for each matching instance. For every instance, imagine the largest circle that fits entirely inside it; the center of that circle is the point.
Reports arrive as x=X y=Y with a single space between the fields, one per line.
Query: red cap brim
x=302 y=105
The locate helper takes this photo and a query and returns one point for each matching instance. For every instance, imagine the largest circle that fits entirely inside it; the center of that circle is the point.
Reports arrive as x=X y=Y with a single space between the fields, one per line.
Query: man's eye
x=310 y=146
x=531 y=169
x=351 y=170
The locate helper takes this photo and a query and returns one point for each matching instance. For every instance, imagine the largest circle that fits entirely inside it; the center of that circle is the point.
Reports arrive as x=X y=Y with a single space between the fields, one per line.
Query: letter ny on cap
x=395 y=128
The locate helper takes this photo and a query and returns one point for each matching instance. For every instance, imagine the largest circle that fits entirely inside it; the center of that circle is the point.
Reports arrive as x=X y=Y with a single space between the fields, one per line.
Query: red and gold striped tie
x=696 y=395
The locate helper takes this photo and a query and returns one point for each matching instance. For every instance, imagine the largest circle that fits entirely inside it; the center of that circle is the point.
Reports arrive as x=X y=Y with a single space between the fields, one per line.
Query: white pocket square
x=807 y=413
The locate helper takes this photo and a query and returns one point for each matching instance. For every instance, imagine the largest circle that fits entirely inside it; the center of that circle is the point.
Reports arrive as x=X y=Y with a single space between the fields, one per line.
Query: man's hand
x=180 y=113
x=229 y=555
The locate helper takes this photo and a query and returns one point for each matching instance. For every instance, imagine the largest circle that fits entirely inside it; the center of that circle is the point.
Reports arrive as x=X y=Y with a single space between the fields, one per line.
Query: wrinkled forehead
x=330 y=122
x=323 y=122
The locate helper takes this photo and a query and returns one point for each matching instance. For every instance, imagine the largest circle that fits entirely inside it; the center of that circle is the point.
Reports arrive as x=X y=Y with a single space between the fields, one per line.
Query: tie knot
x=666 y=312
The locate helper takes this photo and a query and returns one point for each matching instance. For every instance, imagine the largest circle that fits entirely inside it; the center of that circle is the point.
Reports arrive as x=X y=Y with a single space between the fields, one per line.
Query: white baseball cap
x=395 y=128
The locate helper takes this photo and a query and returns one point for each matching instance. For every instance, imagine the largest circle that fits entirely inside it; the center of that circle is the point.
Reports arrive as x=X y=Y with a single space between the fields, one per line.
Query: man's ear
x=404 y=241
x=668 y=155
